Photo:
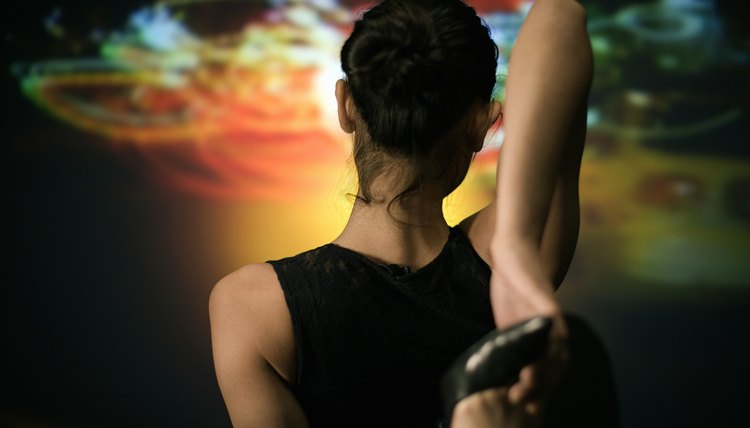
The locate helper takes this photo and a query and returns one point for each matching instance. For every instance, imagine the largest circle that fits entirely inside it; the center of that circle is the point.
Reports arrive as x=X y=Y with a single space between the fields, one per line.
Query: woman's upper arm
x=549 y=76
x=251 y=339
x=550 y=71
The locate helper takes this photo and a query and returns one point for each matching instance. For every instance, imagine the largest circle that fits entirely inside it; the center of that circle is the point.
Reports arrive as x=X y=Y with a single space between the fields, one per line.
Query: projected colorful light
x=248 y=114
x=246 y=111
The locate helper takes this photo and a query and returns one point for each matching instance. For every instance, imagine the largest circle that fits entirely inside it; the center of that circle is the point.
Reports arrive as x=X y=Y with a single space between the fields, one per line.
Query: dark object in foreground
x=586 y=397
x=494 y=360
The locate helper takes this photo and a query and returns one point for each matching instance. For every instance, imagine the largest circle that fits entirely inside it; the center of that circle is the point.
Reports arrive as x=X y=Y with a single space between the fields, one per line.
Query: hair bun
x=405 y=69
x=394 y=61
x=415 y=67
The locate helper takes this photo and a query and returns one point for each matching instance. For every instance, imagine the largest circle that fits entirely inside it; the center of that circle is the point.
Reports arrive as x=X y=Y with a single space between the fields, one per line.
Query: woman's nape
x=397 y=169
x=417 y=99
x=412 y=230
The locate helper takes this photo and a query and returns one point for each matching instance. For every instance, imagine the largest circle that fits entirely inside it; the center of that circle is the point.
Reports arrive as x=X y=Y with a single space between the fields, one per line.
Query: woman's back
x=372 y=340
x=328 y=337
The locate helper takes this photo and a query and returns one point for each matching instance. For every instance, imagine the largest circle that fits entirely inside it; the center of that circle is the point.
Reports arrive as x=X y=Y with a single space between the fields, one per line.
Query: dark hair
x=415 y=69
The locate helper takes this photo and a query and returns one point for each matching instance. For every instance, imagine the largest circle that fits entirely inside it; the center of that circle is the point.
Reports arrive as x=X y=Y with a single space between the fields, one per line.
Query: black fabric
x=371 y=345
x=373 y=340
x=587 y=396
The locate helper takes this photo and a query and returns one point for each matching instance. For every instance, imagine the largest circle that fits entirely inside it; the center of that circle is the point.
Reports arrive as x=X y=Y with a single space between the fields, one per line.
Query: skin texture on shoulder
x=253 y=349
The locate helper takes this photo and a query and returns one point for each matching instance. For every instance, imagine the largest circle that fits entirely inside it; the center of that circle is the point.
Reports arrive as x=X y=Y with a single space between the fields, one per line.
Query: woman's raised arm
x=536 y=224
x=537 y=210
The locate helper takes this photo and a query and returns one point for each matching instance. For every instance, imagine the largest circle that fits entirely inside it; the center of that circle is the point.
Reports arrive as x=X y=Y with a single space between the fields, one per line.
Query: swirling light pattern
x=247 y=114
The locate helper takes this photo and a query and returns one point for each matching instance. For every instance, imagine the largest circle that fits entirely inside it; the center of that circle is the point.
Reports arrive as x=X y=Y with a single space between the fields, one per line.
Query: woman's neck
x=411 y=232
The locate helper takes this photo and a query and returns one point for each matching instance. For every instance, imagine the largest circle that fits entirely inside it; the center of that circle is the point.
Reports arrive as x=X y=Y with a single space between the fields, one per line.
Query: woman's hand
x=538 y=381
x=519 y=291
x=492 y=408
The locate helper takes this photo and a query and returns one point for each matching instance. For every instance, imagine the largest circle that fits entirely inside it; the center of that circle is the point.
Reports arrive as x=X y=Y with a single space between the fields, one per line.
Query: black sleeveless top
x=371 y=341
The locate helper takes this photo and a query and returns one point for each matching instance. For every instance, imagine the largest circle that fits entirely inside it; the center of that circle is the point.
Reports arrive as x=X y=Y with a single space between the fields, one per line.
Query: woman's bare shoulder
x=245 y=282
x=246 y=291
x=253 y=348
x=479 y=228
x=248 y=306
